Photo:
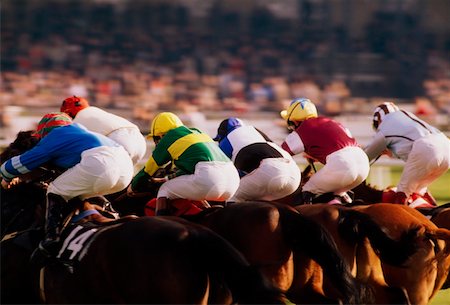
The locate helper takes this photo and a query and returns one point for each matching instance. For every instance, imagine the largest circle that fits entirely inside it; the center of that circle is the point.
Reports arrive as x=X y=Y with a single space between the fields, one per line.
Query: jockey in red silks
x=95 y=165
x=267 y=171
x=113 y=126
x=424 y=149
x=204 y=172
x=328 y=142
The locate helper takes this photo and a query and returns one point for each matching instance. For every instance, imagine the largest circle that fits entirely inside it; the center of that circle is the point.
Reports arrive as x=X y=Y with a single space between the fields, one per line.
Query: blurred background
x=209 y=59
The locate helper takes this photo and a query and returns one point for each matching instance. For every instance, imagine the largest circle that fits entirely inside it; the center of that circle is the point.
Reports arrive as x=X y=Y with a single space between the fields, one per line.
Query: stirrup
x=49 y=248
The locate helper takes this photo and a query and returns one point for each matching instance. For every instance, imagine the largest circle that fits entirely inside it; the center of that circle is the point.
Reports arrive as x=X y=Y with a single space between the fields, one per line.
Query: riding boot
x=162 y=207
x=53 y=220
x=307 y=197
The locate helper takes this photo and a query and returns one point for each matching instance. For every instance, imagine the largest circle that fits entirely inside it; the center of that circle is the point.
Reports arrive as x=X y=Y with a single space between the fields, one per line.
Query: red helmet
x=72 y=105
x=50 y=121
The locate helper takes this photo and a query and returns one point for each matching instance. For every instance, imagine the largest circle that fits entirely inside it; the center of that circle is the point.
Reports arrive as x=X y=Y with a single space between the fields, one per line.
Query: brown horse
x=134 y=261
x=426 y=271
x=356 y=235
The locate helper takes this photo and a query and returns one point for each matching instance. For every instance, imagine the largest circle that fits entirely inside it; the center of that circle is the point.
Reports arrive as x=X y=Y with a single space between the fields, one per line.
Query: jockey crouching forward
x=328 y=142
x=95 y=165
x=113 y=126
x=204 y=172
x=267 y=171
x=424 y=149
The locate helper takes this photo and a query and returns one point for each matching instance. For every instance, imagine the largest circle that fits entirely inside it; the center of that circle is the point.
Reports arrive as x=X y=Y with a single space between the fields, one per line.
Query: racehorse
x=425 y=272
x=356 y=235
x=142 y=260
x=433 y=268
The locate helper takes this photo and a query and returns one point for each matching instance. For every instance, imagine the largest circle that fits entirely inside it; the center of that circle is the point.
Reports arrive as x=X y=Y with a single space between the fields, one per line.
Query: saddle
x=178 y=207
x=78 y=228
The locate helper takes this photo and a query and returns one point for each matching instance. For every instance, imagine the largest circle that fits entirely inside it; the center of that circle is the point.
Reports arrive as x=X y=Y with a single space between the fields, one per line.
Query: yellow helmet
x=299 y=110
x=162 y=123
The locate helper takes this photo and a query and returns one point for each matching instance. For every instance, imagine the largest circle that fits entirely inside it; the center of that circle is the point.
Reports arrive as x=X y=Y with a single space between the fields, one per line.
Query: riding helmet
x=51 y=121
x=226 y=126
x=72 y=105
x=162 y=123
x=300 y=109
x=381 y=111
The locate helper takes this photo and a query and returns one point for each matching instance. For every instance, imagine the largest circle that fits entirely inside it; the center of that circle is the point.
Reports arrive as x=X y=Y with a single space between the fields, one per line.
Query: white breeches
x=216 y=181
x=344 y=170
x=102 y=170
x=275 y=178
x=428 y=160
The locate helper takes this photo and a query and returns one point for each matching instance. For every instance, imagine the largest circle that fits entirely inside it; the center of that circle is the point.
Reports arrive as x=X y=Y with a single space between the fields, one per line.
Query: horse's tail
x=356 y=226
x=225 y=263
x=309 y=237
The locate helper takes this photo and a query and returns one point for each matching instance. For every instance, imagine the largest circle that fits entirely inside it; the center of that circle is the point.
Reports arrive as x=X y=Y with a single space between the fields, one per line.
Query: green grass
x=441 y=298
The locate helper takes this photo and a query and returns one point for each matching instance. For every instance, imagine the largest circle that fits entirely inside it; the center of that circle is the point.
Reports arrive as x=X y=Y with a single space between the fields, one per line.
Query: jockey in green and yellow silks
x=204 y=172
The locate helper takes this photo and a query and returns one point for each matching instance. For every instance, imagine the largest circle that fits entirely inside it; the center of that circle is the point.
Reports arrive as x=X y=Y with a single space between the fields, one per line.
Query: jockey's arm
x=376 y=147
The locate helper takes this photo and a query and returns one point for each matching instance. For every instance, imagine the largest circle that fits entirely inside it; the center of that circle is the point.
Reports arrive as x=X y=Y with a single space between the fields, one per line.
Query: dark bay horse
x=127 y=262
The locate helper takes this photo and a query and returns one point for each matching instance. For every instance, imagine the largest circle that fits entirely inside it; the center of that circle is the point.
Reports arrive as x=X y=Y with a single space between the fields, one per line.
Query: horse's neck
x=368 y=193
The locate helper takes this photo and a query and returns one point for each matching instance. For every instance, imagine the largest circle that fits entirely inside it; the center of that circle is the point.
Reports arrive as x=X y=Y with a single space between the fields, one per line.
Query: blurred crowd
x=155 y=57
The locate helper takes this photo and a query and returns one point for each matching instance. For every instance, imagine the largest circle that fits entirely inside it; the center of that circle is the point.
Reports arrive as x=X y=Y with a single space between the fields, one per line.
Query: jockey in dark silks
x=204 y=172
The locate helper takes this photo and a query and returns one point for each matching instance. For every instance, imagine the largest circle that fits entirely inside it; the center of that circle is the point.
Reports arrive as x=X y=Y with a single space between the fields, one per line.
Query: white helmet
x=381 y=111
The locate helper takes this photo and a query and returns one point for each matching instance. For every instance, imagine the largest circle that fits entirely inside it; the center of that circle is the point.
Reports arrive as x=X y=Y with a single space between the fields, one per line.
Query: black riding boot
x=162 y=207
x=307 y=197
x=53 y=220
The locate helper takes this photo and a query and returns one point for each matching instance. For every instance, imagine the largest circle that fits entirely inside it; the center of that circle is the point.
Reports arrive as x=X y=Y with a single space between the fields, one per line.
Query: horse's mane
x=23 y=142
x=22 y=206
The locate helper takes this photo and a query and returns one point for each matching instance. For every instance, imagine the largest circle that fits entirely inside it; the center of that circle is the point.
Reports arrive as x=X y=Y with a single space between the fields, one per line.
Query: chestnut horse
x=122 y=261
x=421 y=276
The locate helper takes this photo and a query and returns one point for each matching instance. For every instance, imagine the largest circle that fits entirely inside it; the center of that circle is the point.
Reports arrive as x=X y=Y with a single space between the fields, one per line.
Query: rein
x=18 y=233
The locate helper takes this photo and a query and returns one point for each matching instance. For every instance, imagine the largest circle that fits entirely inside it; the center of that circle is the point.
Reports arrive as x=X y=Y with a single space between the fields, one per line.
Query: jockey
x=204 y=172
x=267 y=171
x=95 y=165
x=424 y=149
x=328 y=142
x=113 y=126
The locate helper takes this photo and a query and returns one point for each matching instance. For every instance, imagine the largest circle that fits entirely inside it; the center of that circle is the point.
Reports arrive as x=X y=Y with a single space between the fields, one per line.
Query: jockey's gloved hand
x=162 y=179
x=307 y=197
x=131 y=192
x=159 y=179
x=5 y=184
